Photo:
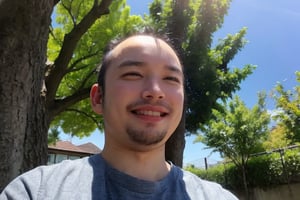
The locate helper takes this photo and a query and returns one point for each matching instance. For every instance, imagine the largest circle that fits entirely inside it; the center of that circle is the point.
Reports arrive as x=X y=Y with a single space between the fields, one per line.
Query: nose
x=153 y=90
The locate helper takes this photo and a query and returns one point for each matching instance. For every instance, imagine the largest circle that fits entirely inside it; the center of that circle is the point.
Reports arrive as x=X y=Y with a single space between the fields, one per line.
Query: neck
x=146 y=165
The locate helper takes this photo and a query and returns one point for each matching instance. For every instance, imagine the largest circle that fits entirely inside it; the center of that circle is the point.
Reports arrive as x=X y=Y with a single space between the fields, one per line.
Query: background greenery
x=264 y=171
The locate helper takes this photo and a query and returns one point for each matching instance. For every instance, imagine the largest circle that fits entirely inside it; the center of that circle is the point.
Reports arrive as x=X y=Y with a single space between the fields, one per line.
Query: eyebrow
x=129 y=63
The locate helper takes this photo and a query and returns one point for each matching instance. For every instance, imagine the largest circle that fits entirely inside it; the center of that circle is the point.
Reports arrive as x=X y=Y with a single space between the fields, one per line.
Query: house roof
x=89 y=148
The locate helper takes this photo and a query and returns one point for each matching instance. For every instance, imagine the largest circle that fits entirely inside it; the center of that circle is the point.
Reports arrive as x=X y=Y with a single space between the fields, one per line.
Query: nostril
x=147 y=94
x=152 y=95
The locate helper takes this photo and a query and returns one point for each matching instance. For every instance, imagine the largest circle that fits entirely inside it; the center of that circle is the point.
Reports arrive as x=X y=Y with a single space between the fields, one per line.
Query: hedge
x=262 y=171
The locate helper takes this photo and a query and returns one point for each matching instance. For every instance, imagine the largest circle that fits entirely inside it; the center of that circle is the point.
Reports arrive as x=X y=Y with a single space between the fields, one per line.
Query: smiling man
x=140 y=94
x=142 y=103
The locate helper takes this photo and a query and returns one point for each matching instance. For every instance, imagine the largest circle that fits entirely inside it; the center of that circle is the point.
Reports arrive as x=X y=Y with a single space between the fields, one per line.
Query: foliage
x=197 y=171
x=280 y=167
x=215 y=173
x=277 y=138
x=260 y=171
x=211 y=80
x=286 y=169
x=53 y=135
x=78 y=118
x=238 y=131
x=288 y=104
x=264 y=171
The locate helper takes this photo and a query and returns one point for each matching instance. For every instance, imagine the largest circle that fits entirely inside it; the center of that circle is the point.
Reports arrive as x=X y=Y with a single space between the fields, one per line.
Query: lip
x=154 y=108
x=150 y=113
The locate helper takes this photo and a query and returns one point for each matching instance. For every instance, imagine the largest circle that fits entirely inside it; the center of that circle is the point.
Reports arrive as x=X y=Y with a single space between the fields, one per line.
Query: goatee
x=145 y=137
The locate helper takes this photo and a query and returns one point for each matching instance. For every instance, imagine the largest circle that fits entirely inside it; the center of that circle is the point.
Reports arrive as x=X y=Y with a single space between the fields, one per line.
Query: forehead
x=143 y=48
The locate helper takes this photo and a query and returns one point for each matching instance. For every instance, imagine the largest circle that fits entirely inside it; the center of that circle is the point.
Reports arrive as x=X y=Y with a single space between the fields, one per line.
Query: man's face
x=143 y=100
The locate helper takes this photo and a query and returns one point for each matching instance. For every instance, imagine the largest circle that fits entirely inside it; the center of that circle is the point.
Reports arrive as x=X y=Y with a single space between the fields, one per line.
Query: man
x=140 y=94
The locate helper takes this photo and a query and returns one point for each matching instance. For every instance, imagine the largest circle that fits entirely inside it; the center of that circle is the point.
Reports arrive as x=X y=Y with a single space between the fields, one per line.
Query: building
x=64 y=150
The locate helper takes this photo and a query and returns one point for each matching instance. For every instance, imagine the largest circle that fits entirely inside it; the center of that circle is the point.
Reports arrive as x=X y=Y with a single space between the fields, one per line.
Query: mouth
x=149 y=113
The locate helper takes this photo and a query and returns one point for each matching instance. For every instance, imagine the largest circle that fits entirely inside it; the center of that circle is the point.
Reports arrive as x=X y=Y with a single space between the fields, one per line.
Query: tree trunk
x=175 y=145
x=23 y=44
x=245 y=181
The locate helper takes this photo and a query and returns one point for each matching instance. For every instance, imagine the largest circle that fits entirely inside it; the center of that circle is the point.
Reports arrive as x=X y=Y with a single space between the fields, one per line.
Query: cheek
x=179 y=102
x=124 y=90
x=176 y=99
x=176 y=96
x=117 y=95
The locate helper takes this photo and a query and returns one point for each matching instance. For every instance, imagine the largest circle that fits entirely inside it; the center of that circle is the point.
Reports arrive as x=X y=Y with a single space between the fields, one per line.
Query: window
x=51 y=158
x=60 y=157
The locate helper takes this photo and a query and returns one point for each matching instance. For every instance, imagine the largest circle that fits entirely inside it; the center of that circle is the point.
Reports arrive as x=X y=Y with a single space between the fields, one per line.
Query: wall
x=286 y=192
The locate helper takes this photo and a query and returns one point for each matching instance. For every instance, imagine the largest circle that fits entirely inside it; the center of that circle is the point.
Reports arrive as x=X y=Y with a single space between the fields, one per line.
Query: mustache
x=144 y=102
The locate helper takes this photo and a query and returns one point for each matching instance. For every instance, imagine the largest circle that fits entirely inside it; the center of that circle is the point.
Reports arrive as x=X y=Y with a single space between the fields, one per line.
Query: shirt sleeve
x=198 y=188
x=65 y=180
x=24 y=187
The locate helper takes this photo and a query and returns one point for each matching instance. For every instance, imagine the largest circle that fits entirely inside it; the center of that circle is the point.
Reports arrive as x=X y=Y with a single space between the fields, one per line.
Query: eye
x=131 y=75
x=173 y=79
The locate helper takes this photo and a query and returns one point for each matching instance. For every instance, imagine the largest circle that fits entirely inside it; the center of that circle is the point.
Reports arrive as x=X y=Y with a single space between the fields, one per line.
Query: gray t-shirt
x=93 y=178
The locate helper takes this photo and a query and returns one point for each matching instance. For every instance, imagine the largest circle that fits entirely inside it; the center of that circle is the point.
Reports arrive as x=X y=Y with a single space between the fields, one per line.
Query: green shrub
x=215 y=173
x=259 y=172
x=292 y=165
x=262 y=171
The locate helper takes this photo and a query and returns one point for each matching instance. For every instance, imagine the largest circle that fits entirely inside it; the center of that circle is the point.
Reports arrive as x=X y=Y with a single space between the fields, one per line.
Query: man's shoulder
x=197 y=187
x=73 y=169
x=59 y=168
x=56 y=178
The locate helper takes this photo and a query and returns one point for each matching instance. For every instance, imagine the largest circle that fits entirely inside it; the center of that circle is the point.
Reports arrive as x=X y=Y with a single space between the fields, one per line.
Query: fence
x=263 y=169
x=206 y=162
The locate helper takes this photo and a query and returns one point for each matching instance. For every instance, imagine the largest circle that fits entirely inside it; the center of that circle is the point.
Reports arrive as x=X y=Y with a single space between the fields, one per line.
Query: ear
x=96 y=99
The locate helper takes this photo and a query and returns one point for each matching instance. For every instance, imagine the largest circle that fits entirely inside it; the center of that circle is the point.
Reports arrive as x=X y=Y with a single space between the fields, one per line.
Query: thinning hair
x=106 y=60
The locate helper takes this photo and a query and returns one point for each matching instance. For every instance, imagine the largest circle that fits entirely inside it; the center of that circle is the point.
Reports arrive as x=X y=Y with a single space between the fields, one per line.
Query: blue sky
x=273 y=46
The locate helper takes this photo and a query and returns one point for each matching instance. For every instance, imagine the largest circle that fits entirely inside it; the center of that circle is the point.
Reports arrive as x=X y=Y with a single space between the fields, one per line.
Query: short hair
x=115 y=42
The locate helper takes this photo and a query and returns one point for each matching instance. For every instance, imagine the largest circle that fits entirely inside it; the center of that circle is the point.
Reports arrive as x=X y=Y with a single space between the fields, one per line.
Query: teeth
x=148 y=112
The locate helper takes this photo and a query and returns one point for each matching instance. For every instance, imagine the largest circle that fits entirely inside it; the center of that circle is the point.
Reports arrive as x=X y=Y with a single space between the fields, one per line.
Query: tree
x=23 y=45
x=288 y=105
x=237 y=132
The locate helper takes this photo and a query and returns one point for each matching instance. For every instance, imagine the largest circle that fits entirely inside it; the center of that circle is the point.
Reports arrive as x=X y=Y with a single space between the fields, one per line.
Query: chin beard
x=143 y=137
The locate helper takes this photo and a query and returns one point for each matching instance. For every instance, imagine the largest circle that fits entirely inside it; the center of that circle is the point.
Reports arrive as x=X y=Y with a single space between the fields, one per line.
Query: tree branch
x=70 y=41
x=78 y=68
x=83 y=81
x=55 y=2
x=87 y=78
x=70 y=13
x=99 y=125
x=73 y=65
x=60 y=105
